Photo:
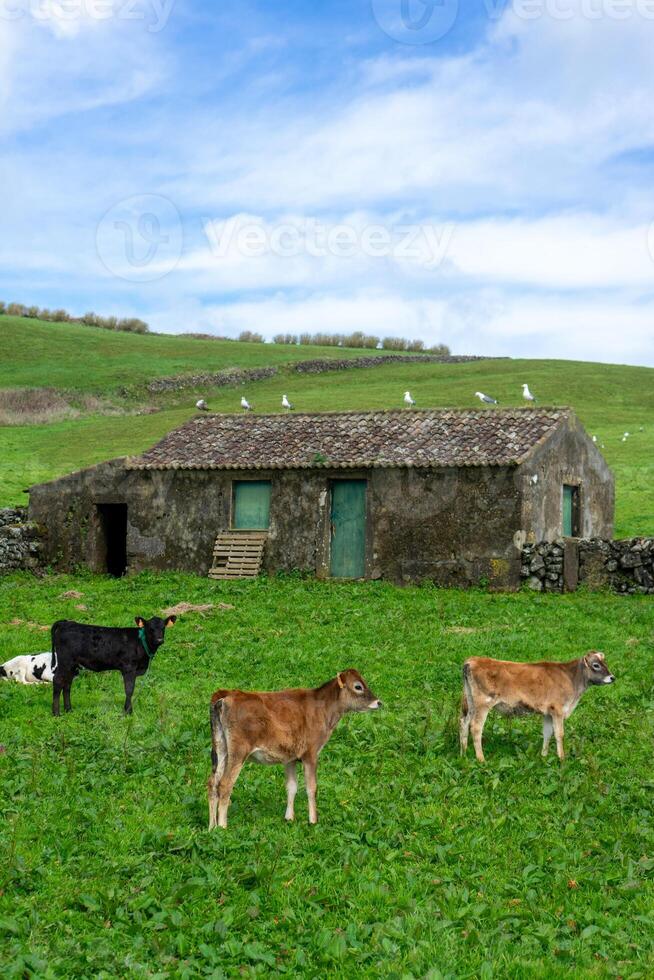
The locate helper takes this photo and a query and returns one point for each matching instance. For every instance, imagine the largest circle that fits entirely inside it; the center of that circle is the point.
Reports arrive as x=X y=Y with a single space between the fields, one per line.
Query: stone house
x=450 y=496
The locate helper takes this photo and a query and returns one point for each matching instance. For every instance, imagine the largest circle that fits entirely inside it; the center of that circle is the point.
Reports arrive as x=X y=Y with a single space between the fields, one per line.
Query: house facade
x=405 y=496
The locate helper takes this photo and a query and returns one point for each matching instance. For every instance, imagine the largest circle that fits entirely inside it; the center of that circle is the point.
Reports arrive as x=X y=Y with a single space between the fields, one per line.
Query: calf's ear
x=140 y=622
x=171 y=620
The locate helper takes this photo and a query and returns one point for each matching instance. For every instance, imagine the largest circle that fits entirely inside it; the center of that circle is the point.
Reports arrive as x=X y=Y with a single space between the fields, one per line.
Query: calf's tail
x=218 y=739
x=466 y=689
x=54 y=633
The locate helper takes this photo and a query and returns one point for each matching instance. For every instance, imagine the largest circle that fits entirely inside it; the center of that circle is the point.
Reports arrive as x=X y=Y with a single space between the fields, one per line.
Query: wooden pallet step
x=238 y=554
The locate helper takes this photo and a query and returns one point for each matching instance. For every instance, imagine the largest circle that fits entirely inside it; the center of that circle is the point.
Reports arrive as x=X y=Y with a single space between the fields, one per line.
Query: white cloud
x=527 y=119
x=60 y=66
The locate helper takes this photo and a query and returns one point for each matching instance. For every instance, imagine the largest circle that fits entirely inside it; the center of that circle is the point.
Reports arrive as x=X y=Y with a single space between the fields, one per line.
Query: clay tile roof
x=353 y=439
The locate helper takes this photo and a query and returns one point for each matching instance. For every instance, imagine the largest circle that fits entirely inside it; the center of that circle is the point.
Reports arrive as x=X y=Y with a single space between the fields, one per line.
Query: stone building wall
x=453 y=526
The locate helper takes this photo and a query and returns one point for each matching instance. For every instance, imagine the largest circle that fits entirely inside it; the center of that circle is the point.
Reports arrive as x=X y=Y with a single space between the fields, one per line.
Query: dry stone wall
x=237 y=376
x=625 y=566
x=20 y=541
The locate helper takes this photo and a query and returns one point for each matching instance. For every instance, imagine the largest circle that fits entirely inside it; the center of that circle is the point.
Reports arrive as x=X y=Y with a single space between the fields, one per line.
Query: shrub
x=394 y=343
x=250 y=337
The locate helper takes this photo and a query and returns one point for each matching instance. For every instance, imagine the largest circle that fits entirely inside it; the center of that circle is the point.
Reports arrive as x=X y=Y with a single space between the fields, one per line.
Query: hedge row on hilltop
x=129 y=324
x=356 y=340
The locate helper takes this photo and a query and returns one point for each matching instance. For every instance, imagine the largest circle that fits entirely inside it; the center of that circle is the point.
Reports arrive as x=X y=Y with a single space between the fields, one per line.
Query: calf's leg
x=129 y=680
x=232 y=769
x=67 y=686
x=548 y=728
x=558 y=735
x=57 y=688
x=291 y=789
x=477 y=726
x=309 y=764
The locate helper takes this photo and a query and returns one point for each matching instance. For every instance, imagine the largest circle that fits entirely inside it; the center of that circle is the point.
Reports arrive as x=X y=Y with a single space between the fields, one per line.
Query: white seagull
x=202 y=406
x=408 y=400
x=526 y=394
x=245 y=405
x=486 y=399
x=286 y=404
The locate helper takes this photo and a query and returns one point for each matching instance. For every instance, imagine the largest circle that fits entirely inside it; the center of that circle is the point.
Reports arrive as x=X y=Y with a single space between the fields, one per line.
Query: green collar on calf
x=144 y=642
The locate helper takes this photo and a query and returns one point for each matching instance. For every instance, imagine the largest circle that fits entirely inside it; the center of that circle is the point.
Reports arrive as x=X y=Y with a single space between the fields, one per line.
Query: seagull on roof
x=408 y=400
x=527 y=395
x=245 y=405
x=201 y=405
x=286 y=404
x=486 y=399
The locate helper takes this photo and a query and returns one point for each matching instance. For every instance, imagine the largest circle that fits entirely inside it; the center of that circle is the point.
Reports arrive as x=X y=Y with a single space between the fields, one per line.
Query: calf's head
x=3 y=672
x=595 y=668
x=354 y=693
x=154 y=629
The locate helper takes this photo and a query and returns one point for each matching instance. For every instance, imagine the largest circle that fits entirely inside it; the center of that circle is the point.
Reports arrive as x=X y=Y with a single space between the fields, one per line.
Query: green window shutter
x=251 y=505
x=570 y=516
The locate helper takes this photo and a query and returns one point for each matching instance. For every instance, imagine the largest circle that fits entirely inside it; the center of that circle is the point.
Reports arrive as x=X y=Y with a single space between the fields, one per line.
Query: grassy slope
x=610 y=400
x=421 y=862
x=87 y=359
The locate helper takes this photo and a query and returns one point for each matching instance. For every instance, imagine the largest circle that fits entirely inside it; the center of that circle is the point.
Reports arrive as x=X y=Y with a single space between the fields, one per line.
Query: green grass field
x=423 y=865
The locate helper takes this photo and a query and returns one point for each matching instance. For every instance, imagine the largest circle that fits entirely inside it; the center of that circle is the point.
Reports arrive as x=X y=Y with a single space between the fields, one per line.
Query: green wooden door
x=251 y=505
x=348 y=529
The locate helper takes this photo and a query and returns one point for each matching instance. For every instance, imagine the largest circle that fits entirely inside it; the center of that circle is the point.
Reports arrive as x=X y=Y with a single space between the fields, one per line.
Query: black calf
x=100 y=648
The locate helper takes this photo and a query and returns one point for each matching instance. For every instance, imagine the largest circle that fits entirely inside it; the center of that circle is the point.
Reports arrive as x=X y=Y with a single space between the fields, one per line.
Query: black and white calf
x=100 y=648
x=33 y=668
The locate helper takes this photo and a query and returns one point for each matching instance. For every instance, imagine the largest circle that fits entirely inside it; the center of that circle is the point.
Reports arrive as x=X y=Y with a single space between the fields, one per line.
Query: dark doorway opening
x=113 y=525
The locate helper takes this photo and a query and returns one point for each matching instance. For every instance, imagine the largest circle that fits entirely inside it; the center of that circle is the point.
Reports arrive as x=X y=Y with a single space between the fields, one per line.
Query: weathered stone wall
x=323 y=364
x=626 y=566
x=451 y=526
x=218 y=379
x=238 y=376
x=20 y=541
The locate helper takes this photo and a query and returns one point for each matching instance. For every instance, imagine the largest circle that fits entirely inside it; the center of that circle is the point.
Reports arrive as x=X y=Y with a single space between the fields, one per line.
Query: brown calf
x=278 y=727
x=548 y=689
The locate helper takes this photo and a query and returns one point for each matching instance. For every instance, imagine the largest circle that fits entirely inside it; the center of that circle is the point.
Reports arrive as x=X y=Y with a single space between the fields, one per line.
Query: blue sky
x=478 y=174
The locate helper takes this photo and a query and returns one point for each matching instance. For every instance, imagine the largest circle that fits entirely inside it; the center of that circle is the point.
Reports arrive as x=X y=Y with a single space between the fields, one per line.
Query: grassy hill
x=610 y=399
x=89 y=359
